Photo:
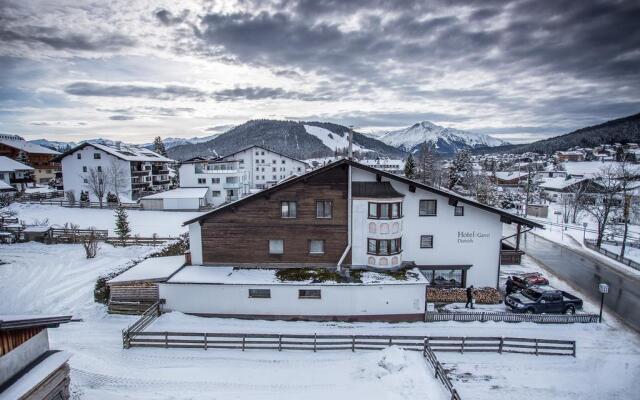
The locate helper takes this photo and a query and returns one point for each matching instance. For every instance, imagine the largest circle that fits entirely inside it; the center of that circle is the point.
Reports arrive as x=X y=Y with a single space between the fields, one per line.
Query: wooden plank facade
x=240 y=235
x=9 y=340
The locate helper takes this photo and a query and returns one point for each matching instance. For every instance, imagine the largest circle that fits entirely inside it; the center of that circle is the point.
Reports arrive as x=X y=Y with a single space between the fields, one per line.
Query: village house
x=346 y=217
x=43 y=160
x=29 y=368
x=14 y=175
x=139 y=170
x=236 y=175
x=573 y=155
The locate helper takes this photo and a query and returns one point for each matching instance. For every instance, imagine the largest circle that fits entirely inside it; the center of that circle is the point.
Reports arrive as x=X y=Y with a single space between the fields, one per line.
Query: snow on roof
x=35 y=375
x=21 y=144
x=586 y=168
x=251 y=276
x=5 y=186
x=151 y=269
x=508 y=175
x=559 y=182
x=132 y=153
x=7 y=164
x=180 y=193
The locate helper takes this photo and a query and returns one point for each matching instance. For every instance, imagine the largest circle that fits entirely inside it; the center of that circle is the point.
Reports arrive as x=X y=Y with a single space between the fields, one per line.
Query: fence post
x=536 y=346
x=424 y=347
x=166 y=340
x=574 y=349
x=353 y=343
x=205 y=340
x=390 y=342
x=244 y=338
x=315 y=341
x=279 y=342
x=462 y=346
x=500 y=345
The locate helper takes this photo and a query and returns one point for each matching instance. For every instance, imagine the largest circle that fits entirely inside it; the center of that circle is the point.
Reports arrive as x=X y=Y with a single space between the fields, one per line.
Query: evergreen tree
x=123 y=231
x=23 y=158
x=460 y=168
x=158 y=146
x=410 y=167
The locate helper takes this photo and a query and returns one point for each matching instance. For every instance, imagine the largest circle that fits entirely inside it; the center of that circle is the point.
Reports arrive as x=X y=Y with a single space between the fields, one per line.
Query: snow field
x=144 y=223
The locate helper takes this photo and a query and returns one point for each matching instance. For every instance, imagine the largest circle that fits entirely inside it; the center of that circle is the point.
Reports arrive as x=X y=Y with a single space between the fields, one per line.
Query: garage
x=176 y=199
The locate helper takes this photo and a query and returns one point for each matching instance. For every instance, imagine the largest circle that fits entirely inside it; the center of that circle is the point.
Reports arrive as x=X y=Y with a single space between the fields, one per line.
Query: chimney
x=118 y=144
x=350 y=142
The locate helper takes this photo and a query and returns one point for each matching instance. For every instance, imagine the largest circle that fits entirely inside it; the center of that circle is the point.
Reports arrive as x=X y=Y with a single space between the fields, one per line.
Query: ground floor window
x=309 y=294
x=276 y=246
x=260 y=293
x=446 y=277
x=316 y=246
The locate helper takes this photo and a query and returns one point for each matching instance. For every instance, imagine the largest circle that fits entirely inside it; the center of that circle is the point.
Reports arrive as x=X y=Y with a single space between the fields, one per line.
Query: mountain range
x=445 y=140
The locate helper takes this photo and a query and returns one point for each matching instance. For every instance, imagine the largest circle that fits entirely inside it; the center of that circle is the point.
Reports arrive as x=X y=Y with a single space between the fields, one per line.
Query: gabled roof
x=27 y=147
x=127 y=153
x=9 y=322
x=453 y=197
x=8 y=164
x=263 y=148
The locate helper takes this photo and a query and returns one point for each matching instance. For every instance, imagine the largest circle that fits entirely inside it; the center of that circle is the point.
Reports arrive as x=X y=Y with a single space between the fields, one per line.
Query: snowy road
x=587 y=272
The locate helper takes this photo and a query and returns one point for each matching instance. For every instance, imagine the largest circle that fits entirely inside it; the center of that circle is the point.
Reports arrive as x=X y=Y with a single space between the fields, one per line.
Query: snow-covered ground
x=632 y=253
x=57 y=279
x=144 y=223
x=330 y=139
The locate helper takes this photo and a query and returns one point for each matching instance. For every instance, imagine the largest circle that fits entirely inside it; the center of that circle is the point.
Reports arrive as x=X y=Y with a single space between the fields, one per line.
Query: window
x=231 y=179
x=276 y=246
x=384 y=247
x=202 y=181
x=215 y=193
x=299 y=169
x=426 y=241
x=84 y=168
x=316 y=246
x=273 y=161
x=309 y=294
x=428 y=208
x=79 y=156
x=262 y=153
x=446 y=277
x=99 y=168
x=324 y=209
x=259 y=293
x=86 y=181
x=385 y=210
x=96 y=156
x=258 y=169
x=288 y=209
x=257 y=153
x=459 y=211
x=284 y=162
x=215 y=180
x=273 y=169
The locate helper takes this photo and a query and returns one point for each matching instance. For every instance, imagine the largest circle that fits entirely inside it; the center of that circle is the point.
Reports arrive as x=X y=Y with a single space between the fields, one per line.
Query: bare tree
x=117 y=177
x=90 y=243
x=625 y=176
x=97 y=181
x=606 y=187
x=71 y=197
x=577 y=199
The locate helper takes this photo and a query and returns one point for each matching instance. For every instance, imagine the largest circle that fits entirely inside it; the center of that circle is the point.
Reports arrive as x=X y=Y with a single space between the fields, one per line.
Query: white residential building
x=385 y=164
x=14 y=175
x=236 y=175
x=141 y=170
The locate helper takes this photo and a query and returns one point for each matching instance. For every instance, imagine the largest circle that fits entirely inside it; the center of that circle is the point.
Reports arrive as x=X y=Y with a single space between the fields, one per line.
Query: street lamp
x=603 y=288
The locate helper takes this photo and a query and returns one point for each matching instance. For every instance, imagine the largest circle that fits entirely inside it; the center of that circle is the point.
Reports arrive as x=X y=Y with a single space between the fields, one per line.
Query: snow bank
x=144 y=223
x=393 y=359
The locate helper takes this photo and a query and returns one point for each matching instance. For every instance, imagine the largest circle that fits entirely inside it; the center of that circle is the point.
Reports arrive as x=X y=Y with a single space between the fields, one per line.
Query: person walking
x=469 y=297
x=509 y=285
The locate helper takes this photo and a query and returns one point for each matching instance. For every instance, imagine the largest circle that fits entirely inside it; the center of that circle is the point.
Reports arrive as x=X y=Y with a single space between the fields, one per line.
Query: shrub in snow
x=71 y=197
x=393 y=359
x=90 y=243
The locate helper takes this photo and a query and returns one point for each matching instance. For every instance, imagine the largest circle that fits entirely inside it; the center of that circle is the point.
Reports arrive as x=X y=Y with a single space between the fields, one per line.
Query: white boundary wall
x=336 y=299
x=195 y=243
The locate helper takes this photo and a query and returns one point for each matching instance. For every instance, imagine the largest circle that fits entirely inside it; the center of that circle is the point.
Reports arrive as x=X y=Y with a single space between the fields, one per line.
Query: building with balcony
x=130 y=171
x=42 y=159
x=343 y=217
x=14 y=175
x=236 y=175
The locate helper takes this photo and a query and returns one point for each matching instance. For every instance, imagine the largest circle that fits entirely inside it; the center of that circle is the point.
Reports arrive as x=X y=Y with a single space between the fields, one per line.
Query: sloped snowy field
x=57 y=279
x=144 y=223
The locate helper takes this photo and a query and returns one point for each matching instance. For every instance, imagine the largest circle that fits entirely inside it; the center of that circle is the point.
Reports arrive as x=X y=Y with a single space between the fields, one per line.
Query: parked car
x=527 y=280
x=538 y=300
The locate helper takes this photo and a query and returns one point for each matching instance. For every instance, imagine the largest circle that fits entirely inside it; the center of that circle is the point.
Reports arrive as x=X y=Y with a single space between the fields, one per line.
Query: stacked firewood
x=486 y=295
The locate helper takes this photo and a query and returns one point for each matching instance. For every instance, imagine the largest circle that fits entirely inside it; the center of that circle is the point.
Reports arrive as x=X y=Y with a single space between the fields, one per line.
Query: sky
x=519 y=70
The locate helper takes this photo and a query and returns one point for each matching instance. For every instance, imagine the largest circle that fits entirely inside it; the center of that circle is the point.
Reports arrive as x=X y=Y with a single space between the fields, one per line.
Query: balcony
x=235 y=185
x=159 y=171
x=138 y=185
x=162 y=182
x=139 y=173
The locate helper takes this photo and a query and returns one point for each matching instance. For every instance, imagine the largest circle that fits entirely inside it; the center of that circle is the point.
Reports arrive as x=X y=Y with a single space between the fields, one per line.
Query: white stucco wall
x=479 y=247
x=217 y=193
x=260 y=163
x=337 y=300
x=182 y=204
x=195 y=243
x=72 y=171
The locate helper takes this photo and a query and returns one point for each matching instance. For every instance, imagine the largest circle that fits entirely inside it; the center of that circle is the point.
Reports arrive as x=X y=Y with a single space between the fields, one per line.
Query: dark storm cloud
x=168 y=19
x=121 y=117
x=53 y=37
x=167 y=92
x=156 y=111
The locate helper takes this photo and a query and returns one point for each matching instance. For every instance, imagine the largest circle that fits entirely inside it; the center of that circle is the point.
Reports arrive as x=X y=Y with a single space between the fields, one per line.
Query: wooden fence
x=84 y=204
x=510 y=317
x=145 y=319
x=440 y=373
x=591 y=244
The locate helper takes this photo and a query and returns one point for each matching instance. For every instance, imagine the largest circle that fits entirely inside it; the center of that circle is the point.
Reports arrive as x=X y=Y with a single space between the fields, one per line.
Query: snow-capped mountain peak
x=446 y=140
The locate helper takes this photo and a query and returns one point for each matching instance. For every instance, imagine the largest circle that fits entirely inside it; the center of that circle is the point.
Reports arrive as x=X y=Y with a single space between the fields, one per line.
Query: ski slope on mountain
x=330 y=139
x=443 y=138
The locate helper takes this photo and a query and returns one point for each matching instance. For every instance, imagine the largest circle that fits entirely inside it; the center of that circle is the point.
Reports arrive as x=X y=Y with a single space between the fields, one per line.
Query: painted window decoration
x=385 y=210
x=309 y=294
x=394 y=260
x=260 y=293
x=459 y=211
x=371 y=261
x=372 y=227
x=383 y=262
x=384 y=247
x=288 y=209
x=324 y=209
x=428 y=208
x=276 y=246
x=426 y=242
x=316 y=247
x=384 y=228
x=395 y=228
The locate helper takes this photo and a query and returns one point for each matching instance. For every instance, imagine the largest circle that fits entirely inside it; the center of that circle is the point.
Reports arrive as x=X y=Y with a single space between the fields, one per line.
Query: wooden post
x=279 y=342
x=500 y=345
x=353 y=343
x=518 y=229
x=574 y=349
x=166 y=340
x=390 y=342
x=205 y=340
x=536 y=346
x=315 y=338
x=462 y=347
x=244 y=338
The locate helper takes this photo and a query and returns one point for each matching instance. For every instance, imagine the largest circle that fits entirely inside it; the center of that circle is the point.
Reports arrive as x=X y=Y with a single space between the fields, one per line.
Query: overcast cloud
x=520 y=70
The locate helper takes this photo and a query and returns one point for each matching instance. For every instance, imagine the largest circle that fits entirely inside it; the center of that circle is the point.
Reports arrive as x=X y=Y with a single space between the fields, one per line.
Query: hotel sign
x=470 y=237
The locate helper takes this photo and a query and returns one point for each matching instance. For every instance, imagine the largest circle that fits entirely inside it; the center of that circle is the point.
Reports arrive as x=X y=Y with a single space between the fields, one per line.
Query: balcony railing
x=161 y=182
x=139 y=173
x=160 y=171
x=236 y=185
